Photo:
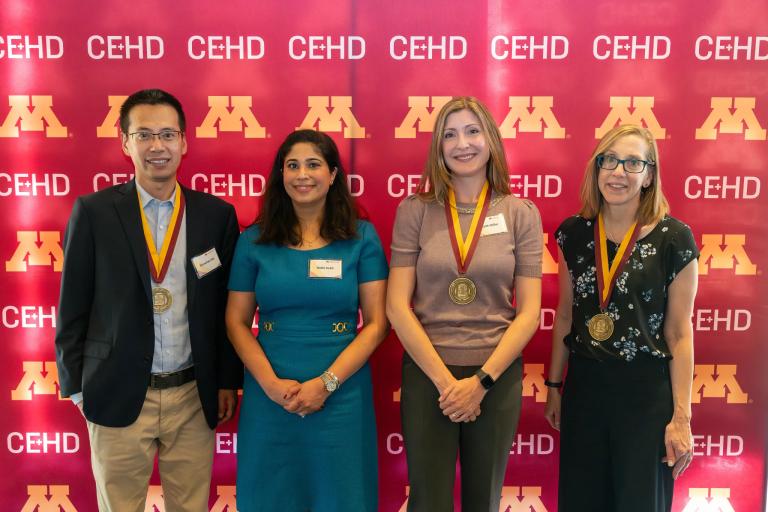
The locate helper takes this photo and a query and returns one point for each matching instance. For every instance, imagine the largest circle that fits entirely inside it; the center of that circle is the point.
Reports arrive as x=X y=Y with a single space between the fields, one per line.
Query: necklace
x=309 y=243
x=496 y=200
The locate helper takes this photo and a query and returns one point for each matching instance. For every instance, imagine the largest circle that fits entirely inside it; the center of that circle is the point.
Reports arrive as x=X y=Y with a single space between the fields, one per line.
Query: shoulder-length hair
x=653 y=204
x=277 y=219
x=436 y=178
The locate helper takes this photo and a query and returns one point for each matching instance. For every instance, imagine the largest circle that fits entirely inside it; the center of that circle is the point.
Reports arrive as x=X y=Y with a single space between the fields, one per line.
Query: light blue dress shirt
x=173 y=350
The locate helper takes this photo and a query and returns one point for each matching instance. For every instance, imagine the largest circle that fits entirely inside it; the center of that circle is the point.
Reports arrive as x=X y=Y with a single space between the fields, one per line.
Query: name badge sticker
x=206 y=262
x=325 y=269
x=494 y=225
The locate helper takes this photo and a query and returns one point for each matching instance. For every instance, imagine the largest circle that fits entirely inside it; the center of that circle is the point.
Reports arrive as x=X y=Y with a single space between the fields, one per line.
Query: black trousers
x=612 y=436
x=432 y=441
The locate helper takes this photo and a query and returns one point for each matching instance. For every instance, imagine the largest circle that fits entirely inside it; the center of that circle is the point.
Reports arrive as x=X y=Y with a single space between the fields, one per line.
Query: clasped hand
x=300 y=398
x=460 y=400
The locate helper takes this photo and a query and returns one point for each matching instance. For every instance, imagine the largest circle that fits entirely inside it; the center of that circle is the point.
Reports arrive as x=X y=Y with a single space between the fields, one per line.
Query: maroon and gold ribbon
x=463 y=250
x=160 y=261
x=606 y=277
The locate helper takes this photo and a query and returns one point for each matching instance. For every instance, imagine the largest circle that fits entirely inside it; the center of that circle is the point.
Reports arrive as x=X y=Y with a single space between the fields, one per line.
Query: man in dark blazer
x=141 y=345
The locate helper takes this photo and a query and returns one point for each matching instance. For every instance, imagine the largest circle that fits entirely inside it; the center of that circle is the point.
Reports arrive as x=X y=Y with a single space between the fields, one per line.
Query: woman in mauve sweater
x=463 y=251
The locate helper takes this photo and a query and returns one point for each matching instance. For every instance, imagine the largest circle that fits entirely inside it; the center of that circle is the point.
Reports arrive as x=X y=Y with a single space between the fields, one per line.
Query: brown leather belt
x=171 y=380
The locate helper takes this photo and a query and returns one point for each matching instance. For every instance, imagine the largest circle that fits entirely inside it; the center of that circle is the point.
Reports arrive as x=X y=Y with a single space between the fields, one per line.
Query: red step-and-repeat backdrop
x=555 y=74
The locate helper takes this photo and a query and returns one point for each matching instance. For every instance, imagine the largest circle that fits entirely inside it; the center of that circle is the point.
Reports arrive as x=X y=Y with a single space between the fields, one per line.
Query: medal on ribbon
x=463 y=290
x=601 y=325
x=162 y=299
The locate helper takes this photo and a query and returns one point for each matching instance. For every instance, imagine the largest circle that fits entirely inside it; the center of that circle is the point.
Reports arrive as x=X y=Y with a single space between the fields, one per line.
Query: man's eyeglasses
x=631 y=165
x=147 y=136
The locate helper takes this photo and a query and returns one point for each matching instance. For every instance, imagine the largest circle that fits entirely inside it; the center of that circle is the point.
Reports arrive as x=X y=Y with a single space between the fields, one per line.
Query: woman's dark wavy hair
x=277 y=218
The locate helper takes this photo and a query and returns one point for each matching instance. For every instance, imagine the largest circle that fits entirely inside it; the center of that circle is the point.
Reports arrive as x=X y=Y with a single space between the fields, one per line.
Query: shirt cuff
x=404 y=259
x=76 y=398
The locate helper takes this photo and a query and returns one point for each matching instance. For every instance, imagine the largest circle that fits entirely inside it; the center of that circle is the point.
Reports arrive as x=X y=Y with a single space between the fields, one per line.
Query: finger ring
x=454 y=415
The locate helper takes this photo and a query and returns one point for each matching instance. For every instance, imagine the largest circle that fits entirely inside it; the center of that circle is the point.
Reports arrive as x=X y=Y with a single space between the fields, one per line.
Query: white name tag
x=325 y=269
x=206 y=263
x=493 y=225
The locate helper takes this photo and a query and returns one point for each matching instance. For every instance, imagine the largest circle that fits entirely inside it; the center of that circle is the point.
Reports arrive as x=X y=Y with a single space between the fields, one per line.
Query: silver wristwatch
x=330 y=380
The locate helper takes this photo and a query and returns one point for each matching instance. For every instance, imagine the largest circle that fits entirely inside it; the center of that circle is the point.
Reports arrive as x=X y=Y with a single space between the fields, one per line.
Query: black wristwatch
x=485 y=380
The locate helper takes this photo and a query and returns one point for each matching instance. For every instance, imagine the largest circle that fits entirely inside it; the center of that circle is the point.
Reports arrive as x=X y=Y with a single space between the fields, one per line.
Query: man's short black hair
x=150 y=97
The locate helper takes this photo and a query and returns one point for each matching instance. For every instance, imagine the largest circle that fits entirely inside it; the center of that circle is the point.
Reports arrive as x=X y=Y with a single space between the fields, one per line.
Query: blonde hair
x=436 y=178
x=653 y=204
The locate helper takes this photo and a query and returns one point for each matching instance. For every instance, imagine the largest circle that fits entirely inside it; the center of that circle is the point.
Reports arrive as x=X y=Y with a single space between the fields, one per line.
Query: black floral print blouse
x=639 y=298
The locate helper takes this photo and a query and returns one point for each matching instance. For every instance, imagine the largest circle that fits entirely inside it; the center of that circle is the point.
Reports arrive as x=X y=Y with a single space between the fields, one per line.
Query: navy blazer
x=105 y=331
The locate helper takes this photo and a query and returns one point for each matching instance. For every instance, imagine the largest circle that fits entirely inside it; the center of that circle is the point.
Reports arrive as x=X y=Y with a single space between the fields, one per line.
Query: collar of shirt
x=146 y=198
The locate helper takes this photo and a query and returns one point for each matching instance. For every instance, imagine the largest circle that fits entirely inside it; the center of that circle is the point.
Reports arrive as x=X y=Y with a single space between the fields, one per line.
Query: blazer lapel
x=195 y=241
x=127 y=206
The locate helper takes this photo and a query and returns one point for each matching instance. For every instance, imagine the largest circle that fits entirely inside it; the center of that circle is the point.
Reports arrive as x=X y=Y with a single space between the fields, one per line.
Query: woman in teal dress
x=307 y=432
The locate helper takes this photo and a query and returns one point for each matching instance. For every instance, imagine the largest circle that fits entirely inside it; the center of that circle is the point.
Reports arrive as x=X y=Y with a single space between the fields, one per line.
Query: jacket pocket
x=97 y=349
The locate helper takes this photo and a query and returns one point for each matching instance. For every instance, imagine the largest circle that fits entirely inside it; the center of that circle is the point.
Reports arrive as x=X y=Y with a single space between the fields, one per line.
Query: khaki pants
x=172 y=425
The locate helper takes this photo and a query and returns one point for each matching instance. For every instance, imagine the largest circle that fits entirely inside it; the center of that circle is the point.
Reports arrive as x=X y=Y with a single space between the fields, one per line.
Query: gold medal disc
x=462 y=290
x=161 y=300
x=600 y=327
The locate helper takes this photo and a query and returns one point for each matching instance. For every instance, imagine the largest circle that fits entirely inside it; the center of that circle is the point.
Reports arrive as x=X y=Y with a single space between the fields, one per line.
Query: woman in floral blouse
x=627 y=279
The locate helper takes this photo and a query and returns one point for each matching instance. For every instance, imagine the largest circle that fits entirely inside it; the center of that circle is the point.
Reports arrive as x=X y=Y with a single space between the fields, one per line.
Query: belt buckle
x=156 y=378
x=340 y=327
